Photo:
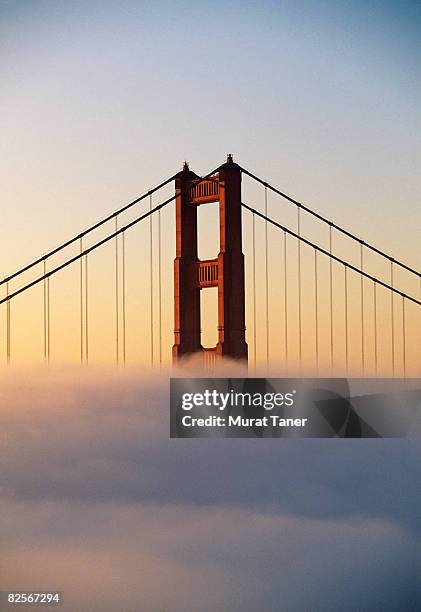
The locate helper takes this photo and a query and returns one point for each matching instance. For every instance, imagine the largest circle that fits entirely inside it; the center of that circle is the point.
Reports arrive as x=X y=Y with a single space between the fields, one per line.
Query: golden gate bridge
x=295 y=290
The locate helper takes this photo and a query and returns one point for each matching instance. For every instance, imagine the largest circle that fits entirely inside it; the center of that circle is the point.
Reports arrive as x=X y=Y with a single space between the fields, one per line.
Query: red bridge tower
x=226 y=272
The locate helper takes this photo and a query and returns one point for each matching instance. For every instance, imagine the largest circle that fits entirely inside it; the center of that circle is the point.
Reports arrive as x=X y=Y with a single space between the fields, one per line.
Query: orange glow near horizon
x=27 y=315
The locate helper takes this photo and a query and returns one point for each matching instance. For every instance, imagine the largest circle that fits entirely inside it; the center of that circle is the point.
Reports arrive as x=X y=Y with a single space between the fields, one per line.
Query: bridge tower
x=226 y=271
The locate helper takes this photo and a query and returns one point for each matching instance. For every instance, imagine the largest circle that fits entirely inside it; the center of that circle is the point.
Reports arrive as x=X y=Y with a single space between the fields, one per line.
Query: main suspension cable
x=334 y=257
x=334 y=225
x=89 y=230
x=98 y=244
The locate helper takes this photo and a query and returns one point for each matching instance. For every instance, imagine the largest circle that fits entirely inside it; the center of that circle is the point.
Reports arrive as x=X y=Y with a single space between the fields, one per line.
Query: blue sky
x=101 y=100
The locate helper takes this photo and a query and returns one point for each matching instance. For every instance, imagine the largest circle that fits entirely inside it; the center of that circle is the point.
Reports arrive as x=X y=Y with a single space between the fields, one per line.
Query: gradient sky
x=102 y=100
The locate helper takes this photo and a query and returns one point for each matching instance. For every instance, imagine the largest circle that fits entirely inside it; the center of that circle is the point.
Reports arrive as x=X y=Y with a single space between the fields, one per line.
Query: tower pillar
x=226 y=271
x=186 y=291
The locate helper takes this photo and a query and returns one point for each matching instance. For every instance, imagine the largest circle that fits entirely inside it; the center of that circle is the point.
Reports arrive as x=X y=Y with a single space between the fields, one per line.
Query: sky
x=100 y=101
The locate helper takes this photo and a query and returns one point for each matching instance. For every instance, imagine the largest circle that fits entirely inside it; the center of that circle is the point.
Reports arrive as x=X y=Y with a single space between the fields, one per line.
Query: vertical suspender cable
x=331 y=297
x=267 y=277
x=45 y=311
x=46 y=314
x=316 y=311
x=346 y=320
x=403 y=337
x=123 y=292
x=48 y=319
x=81 y=298
x=151 y=274
x=393 y=318
x=254 y=290
x=362 y=306
x=86 y=312
x=299 y=288
x=285 y=300
x=375 y=329
x=159 y=288
x=7 y=325
x=117 y=318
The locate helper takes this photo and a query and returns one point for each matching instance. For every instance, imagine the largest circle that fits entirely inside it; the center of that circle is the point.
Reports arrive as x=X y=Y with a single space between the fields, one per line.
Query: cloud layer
x=100 y=503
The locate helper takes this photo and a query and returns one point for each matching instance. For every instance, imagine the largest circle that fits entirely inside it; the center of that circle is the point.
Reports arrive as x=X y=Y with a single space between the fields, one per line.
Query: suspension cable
x=392 y=320
x=331 y=296
x=285 y=300
x=300 y=342
x=7 y=324
x=86 y=313
x=81 y=297
x=48 y=319
x=316 y=311
x=45 y=311
x=123 y=292
x=83 y=252
x=46 y=314
x=267 y=278
x=98 y=244
x=375 y=329
x=346 y=319
x=90 y=229
x=403 y=338
x=334 y=257
x=159 y=289
x=117 y=314
x=254 y=291
x=151 y=275
x=362 y=308
x=334 y=225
